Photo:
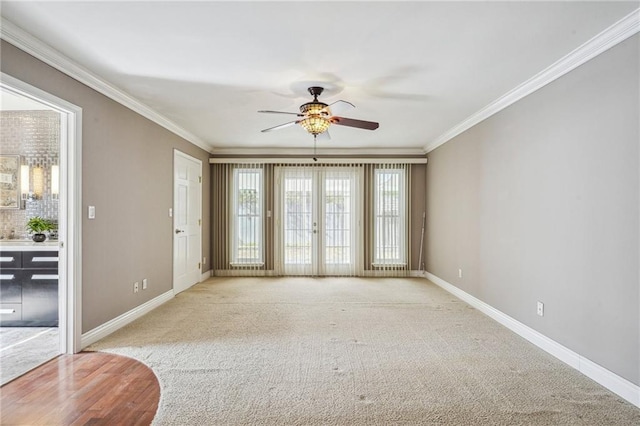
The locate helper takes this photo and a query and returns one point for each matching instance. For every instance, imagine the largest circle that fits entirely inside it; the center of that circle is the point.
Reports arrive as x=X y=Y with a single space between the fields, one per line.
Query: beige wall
x=541 y=203
x=127 y=163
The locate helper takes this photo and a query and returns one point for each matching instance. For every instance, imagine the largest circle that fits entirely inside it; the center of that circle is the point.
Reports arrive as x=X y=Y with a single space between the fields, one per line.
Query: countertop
x=26 y=245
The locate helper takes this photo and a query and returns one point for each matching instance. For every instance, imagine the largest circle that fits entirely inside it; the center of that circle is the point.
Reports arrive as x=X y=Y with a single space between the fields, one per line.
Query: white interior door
x=187 y=221
x=319 y=221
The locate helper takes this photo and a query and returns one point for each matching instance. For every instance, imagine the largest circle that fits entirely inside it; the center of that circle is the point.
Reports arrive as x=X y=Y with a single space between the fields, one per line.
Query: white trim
x=606 y=378
x=276 y=152
x=307 y=160
x=616 y=33
x=206 y=275
x=70 y=209
x=47 y=54
x=118 y=322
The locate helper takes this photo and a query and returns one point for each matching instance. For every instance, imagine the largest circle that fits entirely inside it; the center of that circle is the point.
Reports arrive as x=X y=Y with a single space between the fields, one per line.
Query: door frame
x=177 y=153
x=318 y=265
x=69 y=210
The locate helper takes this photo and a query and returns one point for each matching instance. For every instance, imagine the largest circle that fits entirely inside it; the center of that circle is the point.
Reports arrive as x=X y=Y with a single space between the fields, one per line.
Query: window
x=247 y=217
x=390 y=213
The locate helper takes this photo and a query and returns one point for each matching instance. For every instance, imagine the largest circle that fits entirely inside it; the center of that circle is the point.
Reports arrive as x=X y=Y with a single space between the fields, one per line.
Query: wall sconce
x=38 y=182
x=24 y=182
x=55 y=181
x=37 y=174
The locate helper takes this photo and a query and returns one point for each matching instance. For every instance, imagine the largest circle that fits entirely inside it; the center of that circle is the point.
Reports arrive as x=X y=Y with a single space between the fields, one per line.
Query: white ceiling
x=418 y=68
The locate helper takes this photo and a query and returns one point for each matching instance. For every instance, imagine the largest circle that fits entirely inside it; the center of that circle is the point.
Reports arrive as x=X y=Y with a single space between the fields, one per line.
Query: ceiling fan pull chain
x=315 y=158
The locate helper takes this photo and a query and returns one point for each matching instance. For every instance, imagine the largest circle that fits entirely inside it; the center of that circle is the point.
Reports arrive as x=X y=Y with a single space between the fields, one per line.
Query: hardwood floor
x=89 y=388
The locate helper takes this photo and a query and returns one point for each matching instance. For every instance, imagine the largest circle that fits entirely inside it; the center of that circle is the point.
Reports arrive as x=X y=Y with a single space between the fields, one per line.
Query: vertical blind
x=313 y=220
x=239 y=219
x=389 y=225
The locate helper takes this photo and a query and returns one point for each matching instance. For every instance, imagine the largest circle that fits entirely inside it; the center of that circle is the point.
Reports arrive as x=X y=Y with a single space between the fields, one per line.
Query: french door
x=318 y=221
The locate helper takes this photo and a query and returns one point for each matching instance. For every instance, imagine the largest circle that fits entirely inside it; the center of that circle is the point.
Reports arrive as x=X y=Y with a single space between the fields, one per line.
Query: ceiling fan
x=316 y=116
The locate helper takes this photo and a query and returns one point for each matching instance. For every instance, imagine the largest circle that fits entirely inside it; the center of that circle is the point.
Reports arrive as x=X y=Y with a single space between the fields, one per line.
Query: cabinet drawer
x=40 y=297
x=10 y=312
x=40 y=260
x=40 y=276
x=10 y=259
x=11 y=286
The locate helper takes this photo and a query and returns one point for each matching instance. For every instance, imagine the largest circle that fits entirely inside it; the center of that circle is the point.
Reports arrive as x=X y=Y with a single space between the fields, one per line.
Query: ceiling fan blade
x=282 y=112
x=281 y=126
x=350 y=122
x=338 y=107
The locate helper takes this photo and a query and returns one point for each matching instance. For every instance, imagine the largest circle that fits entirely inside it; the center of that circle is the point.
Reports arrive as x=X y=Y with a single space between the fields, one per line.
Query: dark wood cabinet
x=28 y=288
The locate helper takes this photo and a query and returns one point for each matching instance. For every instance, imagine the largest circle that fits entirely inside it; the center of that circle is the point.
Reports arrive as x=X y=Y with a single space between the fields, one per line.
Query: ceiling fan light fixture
x=315 y=124
x=317 y=116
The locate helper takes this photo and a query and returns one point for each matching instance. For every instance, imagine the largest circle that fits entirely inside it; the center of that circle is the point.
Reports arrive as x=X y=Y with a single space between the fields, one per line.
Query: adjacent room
x=320 y=213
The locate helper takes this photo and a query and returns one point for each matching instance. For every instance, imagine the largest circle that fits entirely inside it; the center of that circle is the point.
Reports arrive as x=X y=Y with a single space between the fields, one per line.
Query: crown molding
x=616 y=33
x=318 y=160
x=21 y=39
x=297 y=152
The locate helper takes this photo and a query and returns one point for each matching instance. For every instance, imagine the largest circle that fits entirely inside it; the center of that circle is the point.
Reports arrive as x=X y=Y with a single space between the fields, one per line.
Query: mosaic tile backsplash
x=35 y=136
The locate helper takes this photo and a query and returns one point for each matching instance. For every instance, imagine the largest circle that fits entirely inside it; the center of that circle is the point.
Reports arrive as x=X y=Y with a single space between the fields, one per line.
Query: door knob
x=179 y=231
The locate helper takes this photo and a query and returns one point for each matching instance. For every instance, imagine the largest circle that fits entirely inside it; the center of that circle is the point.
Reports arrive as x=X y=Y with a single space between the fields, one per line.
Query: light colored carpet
x=24 y=348
x=345 y=351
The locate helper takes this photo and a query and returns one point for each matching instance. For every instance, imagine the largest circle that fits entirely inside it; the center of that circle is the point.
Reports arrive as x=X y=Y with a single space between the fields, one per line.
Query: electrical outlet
x=204 y=260
x=459 y=272
x=145 y=283
x=541 y=309
x=136 y=287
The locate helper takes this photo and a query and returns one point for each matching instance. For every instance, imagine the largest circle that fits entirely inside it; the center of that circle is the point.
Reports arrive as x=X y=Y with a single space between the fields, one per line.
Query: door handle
x=179 y=231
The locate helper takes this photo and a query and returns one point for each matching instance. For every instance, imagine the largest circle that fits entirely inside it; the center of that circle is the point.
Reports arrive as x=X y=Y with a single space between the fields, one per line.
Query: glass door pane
x=339 y=230
x=299 y=222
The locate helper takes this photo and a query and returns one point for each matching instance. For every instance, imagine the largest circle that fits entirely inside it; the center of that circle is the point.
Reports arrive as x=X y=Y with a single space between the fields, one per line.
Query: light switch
x=91 y=212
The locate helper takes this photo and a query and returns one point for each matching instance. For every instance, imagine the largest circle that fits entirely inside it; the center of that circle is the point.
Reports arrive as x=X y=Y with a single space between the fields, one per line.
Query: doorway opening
x=39 y=194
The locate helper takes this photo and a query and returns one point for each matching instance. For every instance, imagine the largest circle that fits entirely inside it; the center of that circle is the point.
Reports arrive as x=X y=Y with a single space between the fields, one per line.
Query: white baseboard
x=117 y=323
x=606 y=378
x=206 y=275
